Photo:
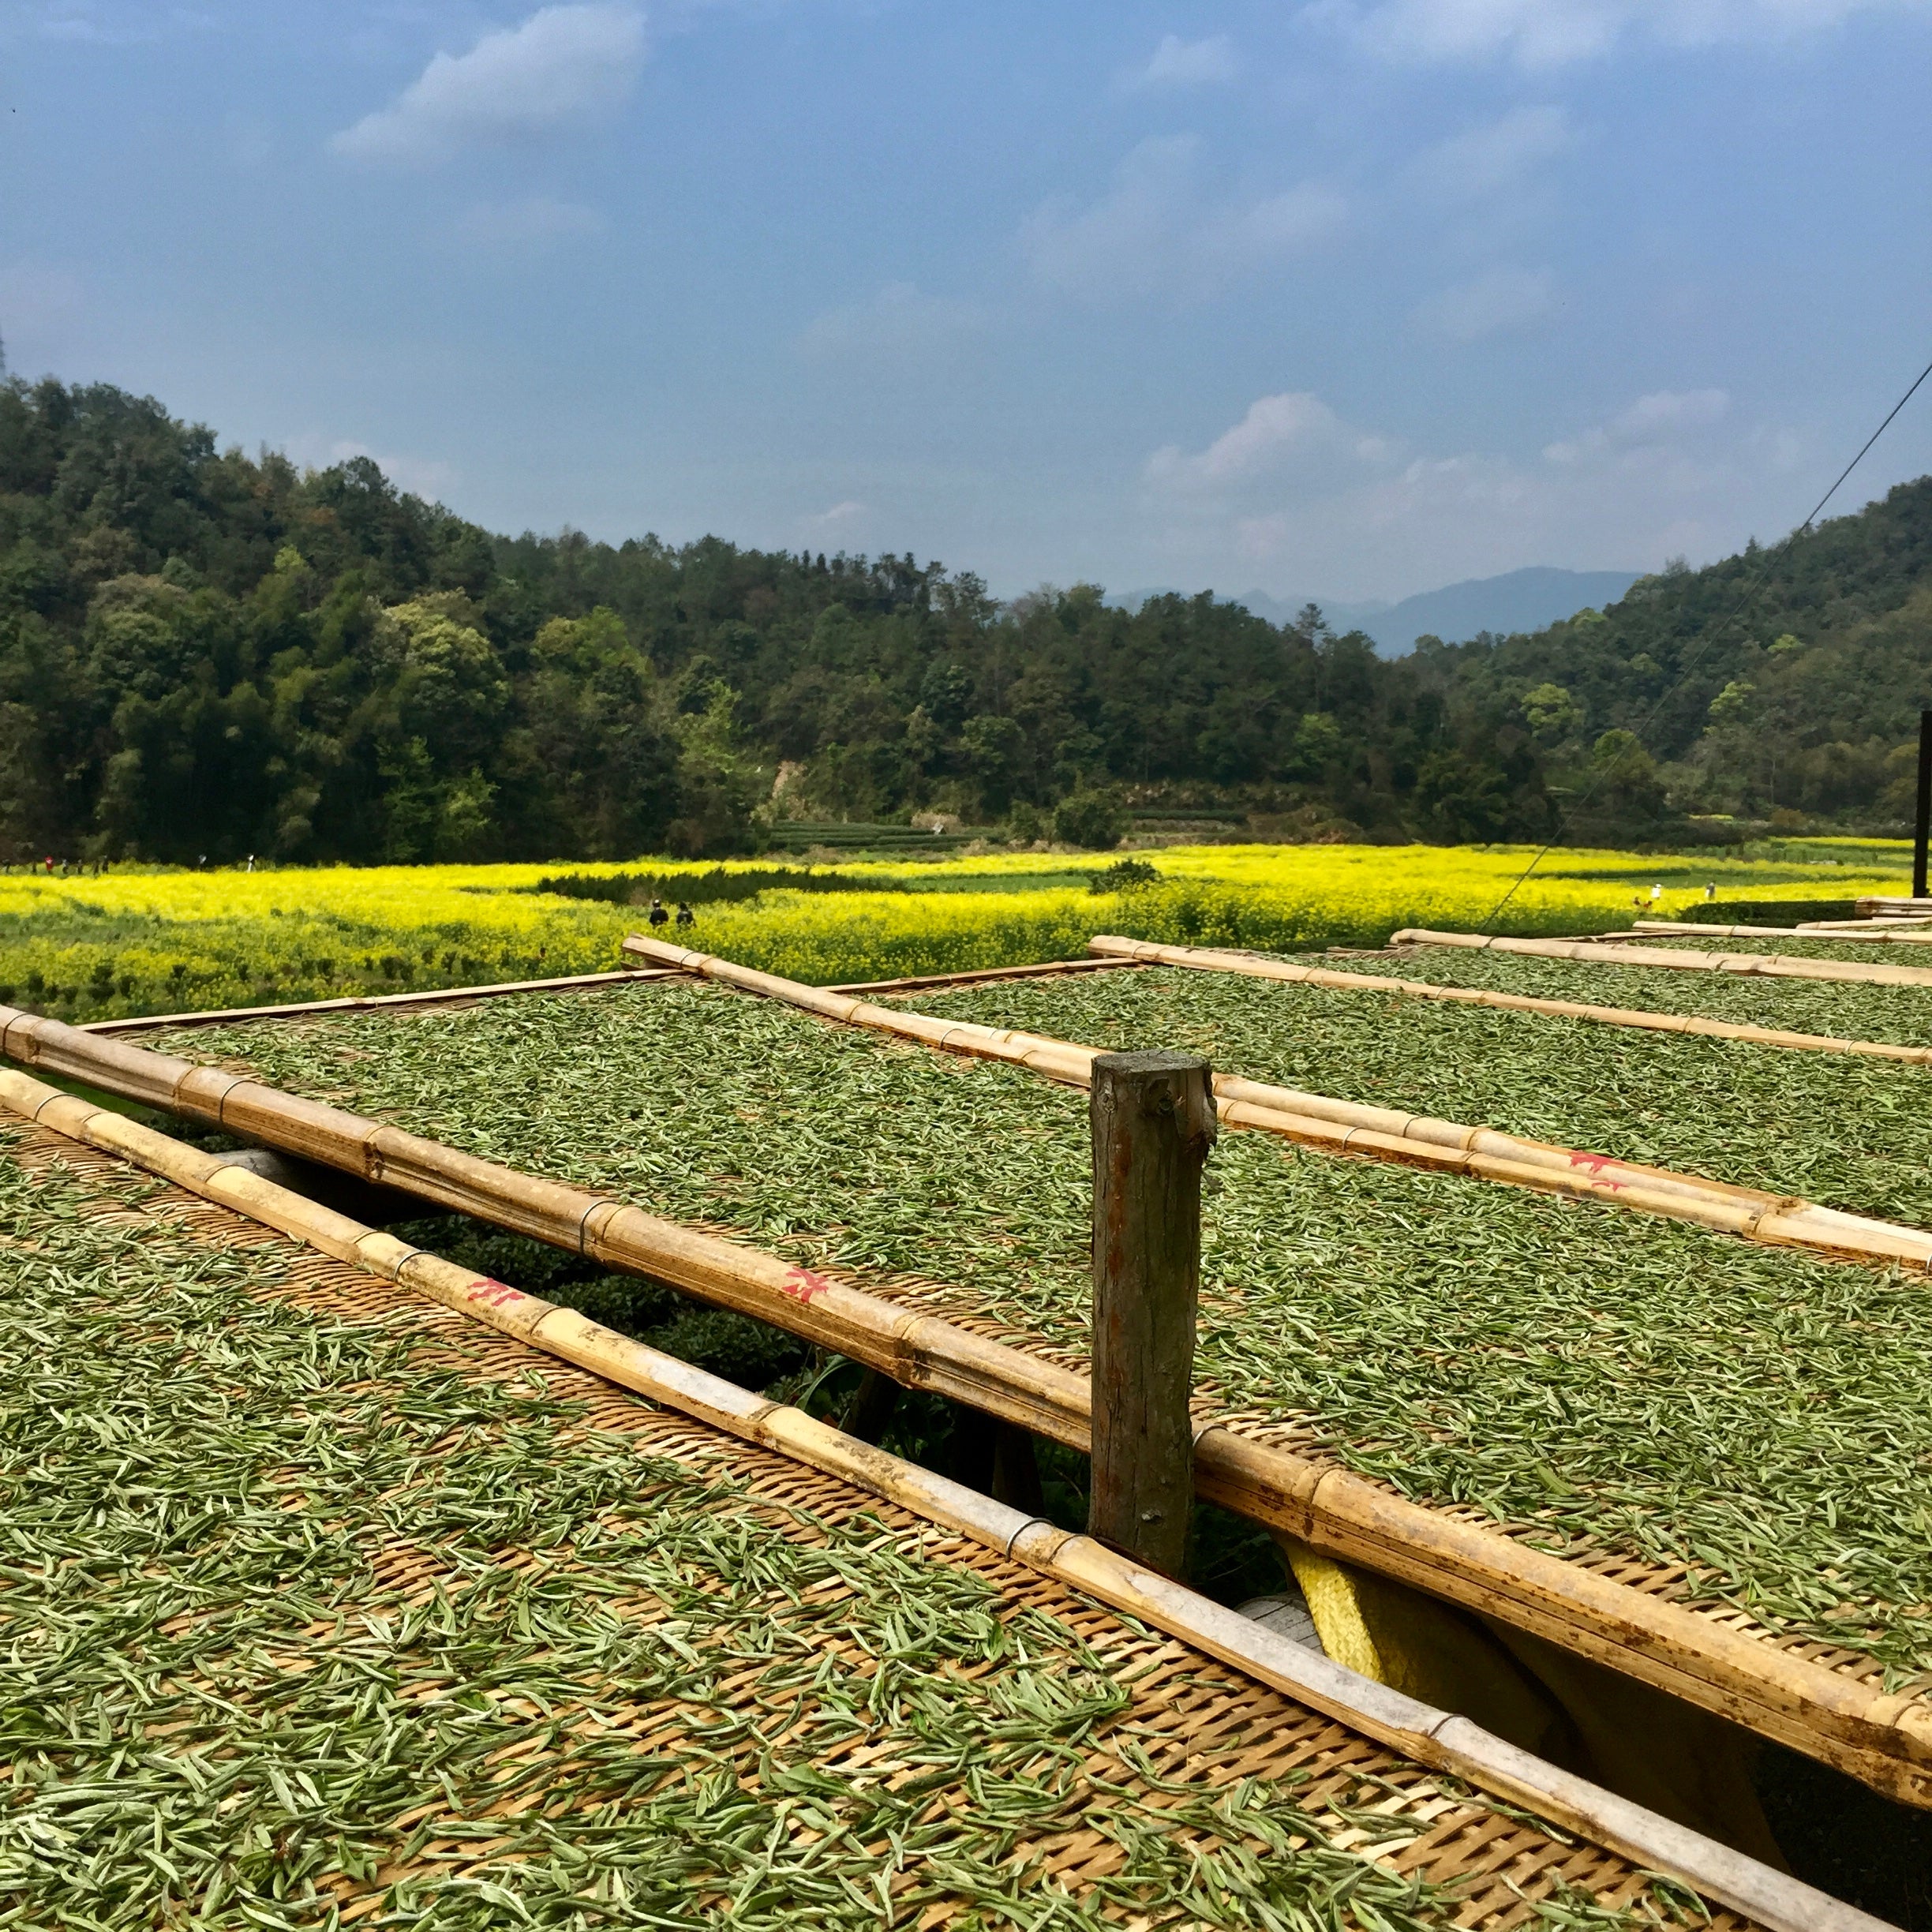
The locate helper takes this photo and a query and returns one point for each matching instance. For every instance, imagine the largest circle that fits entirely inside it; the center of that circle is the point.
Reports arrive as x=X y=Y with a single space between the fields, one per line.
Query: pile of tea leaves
x=1680 y=1394
x=1838 y=1009
x=302 y=1616
x=1808 y=945
x=1851 y=1132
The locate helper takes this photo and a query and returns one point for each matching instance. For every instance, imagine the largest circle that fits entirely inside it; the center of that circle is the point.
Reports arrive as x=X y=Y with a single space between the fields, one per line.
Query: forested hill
x=1784 y=680
x=203 y=654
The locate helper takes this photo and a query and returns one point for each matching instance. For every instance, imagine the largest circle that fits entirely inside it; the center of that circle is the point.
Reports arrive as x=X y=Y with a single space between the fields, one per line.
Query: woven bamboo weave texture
x=1189 y=1723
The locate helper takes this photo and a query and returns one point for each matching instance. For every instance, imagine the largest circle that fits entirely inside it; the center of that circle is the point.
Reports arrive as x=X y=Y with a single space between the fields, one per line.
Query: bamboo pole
x=1847 y=934
x=1922 y=816
x=1885 y=1740
x=373 y=1003
x=452 y=996
x=1376 y=1133
x=1427 y=1735
x=1296 y=973
x=1600 y=952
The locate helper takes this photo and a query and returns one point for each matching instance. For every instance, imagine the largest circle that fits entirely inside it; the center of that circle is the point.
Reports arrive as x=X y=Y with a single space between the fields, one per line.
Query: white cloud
x=121 y=26
x=1554 y=33
x=899 y=320
x=1650 y=422
x=527 y=224
x=564 y=66
x=841 y=517
x=1278 y=433
x=419 y=476
x=1296 y=495
x=1158 y=230
x=1489 y=160
x=1178 y=63
x=1489 y=304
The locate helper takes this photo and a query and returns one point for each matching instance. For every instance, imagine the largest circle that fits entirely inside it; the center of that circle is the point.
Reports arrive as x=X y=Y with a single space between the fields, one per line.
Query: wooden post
x=1153 y=1119
x=1922 y=831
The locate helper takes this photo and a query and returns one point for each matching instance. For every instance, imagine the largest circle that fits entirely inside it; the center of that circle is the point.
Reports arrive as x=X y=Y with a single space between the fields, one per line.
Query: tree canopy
x=207 y=654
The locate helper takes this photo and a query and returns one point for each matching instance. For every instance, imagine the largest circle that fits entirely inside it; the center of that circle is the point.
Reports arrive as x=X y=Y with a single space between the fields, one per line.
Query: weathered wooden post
x=1922 y=831
x=1153 y=1119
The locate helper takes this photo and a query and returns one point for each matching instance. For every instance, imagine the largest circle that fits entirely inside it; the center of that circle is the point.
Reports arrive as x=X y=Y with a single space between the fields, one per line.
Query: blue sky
x=1350 y=298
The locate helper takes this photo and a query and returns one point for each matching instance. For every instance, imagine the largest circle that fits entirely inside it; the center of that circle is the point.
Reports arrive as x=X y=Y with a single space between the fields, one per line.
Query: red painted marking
x=493 y=1293
x=802 y=1284
x=1593 y=1163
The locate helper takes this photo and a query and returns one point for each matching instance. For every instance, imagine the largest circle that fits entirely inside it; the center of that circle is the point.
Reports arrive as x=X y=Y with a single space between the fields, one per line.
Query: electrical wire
x=1752 y=585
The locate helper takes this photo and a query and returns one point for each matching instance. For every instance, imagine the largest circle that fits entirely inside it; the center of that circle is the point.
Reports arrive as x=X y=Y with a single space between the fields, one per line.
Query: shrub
x=1093 y=820
x=1124 y=876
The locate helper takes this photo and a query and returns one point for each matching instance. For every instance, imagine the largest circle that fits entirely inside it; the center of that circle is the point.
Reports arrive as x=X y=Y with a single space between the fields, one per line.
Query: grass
x=300 y=1613
x=1677 y=1393
x=134 y=942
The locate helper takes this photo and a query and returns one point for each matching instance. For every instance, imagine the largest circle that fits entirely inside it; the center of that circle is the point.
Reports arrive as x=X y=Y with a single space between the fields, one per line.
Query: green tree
x=1092 y=820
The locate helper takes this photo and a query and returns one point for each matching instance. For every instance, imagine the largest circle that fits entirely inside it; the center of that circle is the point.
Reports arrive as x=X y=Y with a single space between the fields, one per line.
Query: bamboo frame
x=1880 y=935
x=1712 y=1660
x=1436 y=1739
x=1600 y=952
x=372 y=1002
x=450 y=996
x=1377 y=1133
x=1294 y=972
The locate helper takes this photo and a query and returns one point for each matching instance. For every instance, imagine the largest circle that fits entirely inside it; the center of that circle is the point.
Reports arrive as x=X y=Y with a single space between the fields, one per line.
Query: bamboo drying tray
x=1294 y=972
x=1375 y=1133
x=1222 y=1712
x=1643 y=1618
x=1862 y=933
x=436 y=997
x=1602 y=953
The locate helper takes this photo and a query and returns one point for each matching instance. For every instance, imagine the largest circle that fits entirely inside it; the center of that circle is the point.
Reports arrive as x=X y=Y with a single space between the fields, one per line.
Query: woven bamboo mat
x=1689 y=1586
x=1189 y=1724
x=1679 y=1583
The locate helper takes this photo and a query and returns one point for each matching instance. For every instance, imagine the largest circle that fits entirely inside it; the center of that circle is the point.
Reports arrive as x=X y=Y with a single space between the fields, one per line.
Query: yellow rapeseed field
x=137 y=942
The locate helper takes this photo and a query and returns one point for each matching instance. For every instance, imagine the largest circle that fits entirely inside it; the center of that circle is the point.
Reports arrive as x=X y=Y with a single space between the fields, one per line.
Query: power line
x=1751 y=587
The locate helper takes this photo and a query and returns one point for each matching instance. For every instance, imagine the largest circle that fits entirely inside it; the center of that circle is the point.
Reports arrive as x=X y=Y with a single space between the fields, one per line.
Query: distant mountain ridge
x=1518 y=600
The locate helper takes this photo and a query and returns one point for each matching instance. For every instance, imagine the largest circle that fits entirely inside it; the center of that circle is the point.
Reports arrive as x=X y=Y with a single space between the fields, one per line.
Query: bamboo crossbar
x=455 y=996
x=1437 y=1739
x=1885 y=1740
x=1602 y=953
x=365 y=1002
x=1350 y=1127
x=1295 y=972
x=1886 y=935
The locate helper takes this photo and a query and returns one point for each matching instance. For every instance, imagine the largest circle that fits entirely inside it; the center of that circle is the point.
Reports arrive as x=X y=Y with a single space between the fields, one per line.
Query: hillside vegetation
x=1806 y=705
x=204 y=654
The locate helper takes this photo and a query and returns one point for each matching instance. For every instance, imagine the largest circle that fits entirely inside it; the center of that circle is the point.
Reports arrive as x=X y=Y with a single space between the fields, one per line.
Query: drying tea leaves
x=1601 y=1376
x=1851 y=1133
x=314 y=1623
x=1838 y=1009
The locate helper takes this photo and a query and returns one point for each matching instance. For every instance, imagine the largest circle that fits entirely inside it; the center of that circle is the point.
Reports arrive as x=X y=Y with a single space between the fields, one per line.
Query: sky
x=1350 y=299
